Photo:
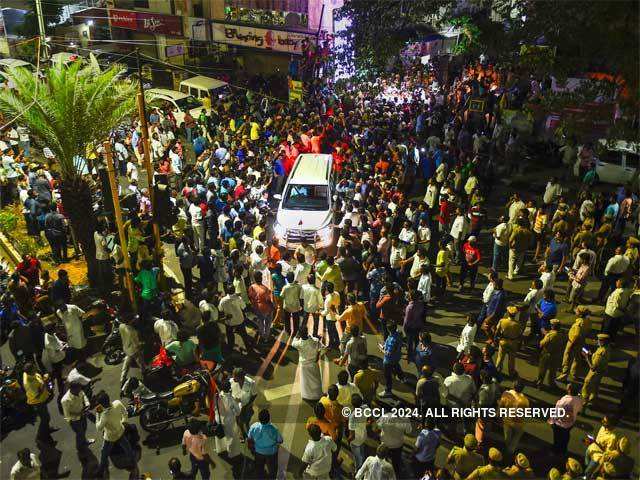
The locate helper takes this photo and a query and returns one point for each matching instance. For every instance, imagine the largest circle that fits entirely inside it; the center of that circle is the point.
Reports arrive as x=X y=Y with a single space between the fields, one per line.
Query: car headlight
x=279 y=230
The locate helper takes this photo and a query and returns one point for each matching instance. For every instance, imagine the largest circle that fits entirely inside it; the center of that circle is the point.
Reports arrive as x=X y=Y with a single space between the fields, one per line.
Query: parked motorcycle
x=112 y=347
x=14 y=410
x=187 y=399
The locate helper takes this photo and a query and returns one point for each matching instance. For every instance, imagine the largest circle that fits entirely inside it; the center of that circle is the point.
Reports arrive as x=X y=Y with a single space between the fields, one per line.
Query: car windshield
x=187 y=103
x=306 y=197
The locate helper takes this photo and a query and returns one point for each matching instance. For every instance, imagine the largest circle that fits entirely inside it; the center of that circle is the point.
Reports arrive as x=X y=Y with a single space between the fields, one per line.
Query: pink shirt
x=196 y=444
x=572 y=406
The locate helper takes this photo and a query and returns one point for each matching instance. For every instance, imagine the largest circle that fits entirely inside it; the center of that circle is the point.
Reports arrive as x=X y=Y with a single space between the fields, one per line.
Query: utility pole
x=118 y=216
x=41 y=29
x=142 y=109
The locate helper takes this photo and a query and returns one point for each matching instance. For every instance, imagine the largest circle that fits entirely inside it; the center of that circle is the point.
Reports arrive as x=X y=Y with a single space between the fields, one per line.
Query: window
x=140 y=3
x=187 y=103
x=306 y=197
x=611 y=157
x=632 y=160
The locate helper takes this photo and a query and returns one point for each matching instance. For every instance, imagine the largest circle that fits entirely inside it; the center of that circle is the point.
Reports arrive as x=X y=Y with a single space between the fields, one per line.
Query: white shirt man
x=552 y=192
x=291 y=297
x=617 y=265
x=301 y=272
x=132 y=171
x=417 y=263
x=431 y=195
x=176 y=162
x=73 y=405
x=317 y=455
x=514 y=209
x=393 y=429
x=111 y=421
x=358 y=424
x=196 y=214
x=376 y=468
x=233 y=305
x=130 y=339
x=167 y=330
x=460 y=389
x=311 y=298
x=460 y=227
x=409 y=238
x=424 y=235
x=331 y=300
x=424 y=286
x=467 y=336
x=72 y=320
x=102 y=253
x=501 y=234
x=245 y=393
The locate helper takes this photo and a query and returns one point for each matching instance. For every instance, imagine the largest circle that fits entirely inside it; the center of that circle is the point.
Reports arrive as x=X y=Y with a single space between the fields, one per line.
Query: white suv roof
x=165 y=92
x=310 y=168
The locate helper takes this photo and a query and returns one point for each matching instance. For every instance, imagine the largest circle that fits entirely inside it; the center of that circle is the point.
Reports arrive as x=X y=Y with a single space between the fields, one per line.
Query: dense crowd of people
x=415 y=168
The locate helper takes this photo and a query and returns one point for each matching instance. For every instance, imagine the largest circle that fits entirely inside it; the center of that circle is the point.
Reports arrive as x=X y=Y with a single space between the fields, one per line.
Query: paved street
x=278 y=376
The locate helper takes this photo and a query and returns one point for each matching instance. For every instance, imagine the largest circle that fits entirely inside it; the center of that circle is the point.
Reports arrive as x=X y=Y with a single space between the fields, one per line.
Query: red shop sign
x=162 y=24
x=123 y=19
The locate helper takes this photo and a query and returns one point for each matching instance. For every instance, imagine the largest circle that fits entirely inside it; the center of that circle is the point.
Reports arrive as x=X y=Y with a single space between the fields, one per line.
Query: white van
x=181 y=102
x=199 y=85
x=305 y=212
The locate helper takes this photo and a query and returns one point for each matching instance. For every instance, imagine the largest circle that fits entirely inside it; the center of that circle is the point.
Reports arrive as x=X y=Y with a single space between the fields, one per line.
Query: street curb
x=9 y=251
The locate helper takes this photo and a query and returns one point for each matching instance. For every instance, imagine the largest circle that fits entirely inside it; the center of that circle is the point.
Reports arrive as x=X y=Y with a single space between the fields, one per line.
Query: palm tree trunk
x=78 y=205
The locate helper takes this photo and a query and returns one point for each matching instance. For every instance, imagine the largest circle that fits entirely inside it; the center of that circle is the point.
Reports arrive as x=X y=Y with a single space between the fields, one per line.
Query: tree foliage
x=70 y=108
x=379 y=29
x=51 y=11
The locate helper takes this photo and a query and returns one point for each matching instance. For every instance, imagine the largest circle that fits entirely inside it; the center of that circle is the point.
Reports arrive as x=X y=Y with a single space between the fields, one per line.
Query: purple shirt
x=414 y=315
x=572 y=407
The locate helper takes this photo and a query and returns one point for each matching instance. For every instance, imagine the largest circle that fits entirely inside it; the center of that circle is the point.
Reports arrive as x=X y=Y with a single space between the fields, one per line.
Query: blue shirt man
x=427 y=443
x=264 y=440
x=392 y=347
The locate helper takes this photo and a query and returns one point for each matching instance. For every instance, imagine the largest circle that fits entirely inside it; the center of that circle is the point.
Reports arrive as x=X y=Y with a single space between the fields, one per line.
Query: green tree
x=379 y=29
x=51 y=11
x=70 y=109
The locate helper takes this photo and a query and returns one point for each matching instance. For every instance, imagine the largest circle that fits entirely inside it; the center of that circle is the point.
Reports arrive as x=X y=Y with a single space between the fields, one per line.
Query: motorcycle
x=160 y=411
x=112 y=346
x=15 y=412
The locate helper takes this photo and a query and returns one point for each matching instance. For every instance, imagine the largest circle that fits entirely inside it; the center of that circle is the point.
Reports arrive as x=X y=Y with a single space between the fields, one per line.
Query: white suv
x=305 y=212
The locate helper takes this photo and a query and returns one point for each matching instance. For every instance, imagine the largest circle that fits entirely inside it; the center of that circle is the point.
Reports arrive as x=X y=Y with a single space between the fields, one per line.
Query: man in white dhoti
x=227 y=411
x=309 y=351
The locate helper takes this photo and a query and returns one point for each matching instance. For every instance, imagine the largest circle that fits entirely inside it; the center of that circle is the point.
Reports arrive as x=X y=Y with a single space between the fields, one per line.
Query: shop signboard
x=159 y=24
x=123 y=19
x=146 y=22
x=268 y=39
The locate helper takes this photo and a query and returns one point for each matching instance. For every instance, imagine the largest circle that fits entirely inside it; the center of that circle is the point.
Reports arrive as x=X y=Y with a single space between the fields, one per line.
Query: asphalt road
x=278 y=376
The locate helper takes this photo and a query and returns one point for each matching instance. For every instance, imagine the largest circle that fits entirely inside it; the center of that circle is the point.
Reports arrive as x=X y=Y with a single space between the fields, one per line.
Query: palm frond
x=70 y=108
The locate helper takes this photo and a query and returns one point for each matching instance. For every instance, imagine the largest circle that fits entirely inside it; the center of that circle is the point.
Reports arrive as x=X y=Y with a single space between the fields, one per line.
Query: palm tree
x=70 y=108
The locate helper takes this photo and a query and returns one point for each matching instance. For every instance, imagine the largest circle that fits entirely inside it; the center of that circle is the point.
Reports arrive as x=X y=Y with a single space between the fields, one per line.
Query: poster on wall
x=174 y=50
x=277 y=40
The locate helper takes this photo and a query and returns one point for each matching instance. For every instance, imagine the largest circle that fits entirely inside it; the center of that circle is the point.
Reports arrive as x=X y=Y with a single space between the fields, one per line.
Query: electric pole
x=43 y=38
x=142 y=113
